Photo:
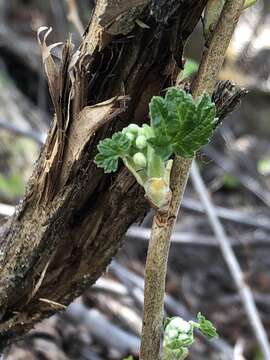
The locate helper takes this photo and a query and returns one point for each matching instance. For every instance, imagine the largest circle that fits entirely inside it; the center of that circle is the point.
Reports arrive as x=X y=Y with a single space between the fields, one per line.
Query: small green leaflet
x=110 y=150
x=206 y=327
x=181 y=125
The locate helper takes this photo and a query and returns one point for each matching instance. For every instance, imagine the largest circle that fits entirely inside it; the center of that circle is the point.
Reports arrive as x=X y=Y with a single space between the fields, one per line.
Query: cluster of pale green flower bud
x=177 y=328
x=149 y=169
x=178 y=336
x=138 y=136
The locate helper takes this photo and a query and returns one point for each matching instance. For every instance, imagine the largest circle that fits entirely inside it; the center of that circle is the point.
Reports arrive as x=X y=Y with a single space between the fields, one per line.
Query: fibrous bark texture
x=73 y=217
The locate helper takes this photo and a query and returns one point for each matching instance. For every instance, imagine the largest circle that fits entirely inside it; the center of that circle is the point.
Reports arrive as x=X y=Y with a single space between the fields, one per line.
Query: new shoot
x=179 y=125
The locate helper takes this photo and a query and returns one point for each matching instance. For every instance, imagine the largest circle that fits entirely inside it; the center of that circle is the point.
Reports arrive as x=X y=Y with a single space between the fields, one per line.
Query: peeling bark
x=73 y=217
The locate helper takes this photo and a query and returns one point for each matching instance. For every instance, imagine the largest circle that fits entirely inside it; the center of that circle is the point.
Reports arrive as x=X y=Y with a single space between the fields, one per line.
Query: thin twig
x=250 y=219
x=239 y=350
x=103 y=330
x=59 y=18
x=156 y=263
x=73 y=16
x=38 y=137
x=246 y=180
x=232 y=263
x=197 y=239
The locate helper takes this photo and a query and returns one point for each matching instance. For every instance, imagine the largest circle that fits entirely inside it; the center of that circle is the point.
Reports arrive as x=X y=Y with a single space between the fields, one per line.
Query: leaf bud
x=130 y=136
x=133 y=128
x=141 y=142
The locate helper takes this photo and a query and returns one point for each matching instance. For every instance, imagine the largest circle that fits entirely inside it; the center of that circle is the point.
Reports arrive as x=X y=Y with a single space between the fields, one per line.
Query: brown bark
x=73 y=217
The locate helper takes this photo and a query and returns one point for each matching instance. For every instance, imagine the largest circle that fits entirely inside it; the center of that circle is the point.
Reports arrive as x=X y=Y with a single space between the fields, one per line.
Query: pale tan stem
x=156 y=264
x=214 y=54
x=73 y=16
x=157 y=256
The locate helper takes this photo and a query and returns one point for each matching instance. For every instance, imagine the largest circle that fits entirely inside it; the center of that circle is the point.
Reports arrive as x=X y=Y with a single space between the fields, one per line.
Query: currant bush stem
x=158 y=250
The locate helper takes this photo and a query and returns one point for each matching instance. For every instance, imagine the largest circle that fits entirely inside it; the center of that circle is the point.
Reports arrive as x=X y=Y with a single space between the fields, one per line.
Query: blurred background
x=105 y=322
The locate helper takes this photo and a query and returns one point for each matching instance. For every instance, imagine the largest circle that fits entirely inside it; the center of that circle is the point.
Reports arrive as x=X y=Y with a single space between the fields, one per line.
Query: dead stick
x=232 y=263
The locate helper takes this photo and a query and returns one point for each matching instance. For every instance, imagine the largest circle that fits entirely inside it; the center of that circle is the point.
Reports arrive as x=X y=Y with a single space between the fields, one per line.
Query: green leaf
x=249 y=3
x=159 y=117
x=181 y=125
x=191 y=67
x=162 y=147
x=206 y=327
x=110 y=150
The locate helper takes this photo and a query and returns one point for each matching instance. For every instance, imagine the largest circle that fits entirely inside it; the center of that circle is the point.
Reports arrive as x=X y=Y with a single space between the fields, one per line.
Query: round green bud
x=141 y=142
x=130 y=136
x=172 y=334
x=179 y=324
x=133 y=128
x=139 y=159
